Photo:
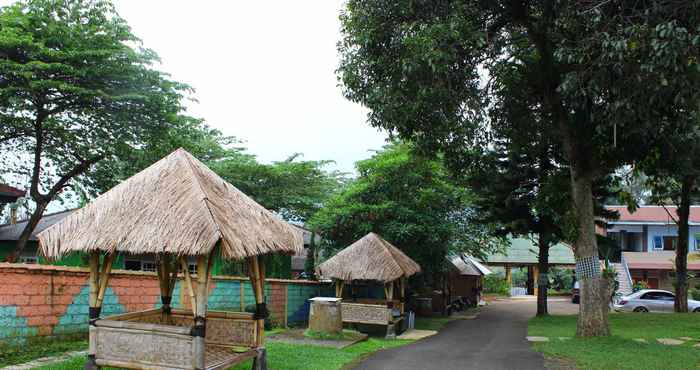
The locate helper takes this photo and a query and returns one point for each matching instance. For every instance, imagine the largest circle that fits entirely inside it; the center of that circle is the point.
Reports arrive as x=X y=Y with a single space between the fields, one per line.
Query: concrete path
x=494 y=340
x=44 y=361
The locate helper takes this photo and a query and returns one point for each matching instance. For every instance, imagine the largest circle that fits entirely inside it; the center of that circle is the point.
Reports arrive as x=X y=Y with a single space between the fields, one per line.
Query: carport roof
x=524 y=251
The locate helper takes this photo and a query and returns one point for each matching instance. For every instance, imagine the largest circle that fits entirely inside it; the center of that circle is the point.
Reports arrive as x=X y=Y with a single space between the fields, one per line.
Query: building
x=9 y=194
x=647 y=239
x=651 y=228
x=465 y=279
x=524 y=252
x=299 y=259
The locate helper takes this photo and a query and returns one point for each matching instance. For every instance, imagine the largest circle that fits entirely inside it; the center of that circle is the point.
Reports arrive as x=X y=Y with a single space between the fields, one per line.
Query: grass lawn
x=620 y=351
x=31 y=349
x=282 y=356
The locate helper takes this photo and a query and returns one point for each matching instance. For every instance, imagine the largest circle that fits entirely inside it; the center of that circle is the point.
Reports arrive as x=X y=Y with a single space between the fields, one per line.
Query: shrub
x=496 y=284
x=639 y=285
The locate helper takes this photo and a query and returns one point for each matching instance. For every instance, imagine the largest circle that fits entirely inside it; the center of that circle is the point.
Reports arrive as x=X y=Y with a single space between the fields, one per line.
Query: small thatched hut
x=375 y=259
x=175 y=209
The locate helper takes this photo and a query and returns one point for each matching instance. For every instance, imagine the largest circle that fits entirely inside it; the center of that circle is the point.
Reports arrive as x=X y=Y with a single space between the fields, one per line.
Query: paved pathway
x=495 y=340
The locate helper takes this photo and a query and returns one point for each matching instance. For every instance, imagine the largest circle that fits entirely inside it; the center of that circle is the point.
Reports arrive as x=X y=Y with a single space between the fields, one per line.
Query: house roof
x=651 y=215
x=179 y=206
x=524 y=251
x=10 y=194
x=10 y=232
x=660 y=260
x=466 y=265
x=370 y=258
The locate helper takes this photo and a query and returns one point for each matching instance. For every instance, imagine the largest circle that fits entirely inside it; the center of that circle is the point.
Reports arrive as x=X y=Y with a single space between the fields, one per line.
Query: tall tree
x=75 y=86
x=412 y=202
x=598 y=69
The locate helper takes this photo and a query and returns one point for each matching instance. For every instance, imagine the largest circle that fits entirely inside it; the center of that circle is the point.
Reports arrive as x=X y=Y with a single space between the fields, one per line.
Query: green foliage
x=409 y=200
x=76 y=87
x=560 y=279
x=496 y=284
x=294 y=189
x=639 y=285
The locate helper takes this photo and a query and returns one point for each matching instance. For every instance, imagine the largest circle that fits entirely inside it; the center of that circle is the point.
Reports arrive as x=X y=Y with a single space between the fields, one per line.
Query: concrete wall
x=42 y=300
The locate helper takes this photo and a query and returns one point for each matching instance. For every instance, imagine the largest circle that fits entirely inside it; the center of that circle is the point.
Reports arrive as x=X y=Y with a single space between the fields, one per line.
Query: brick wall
x=52 y=300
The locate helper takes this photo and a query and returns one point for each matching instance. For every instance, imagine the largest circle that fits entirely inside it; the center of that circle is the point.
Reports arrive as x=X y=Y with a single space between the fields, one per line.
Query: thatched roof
x=177 y=205
x=370 y=258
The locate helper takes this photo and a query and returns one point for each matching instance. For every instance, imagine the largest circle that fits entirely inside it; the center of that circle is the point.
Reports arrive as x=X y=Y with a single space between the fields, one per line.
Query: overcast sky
x=264 y=71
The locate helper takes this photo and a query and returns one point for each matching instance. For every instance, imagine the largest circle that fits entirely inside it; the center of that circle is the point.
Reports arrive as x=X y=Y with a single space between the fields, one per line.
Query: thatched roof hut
x=370 y=258
x=176 y=206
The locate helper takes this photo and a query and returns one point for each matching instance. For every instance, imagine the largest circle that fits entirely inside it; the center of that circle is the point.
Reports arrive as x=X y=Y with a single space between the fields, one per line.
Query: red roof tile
x=653 y=214
x=9 y=191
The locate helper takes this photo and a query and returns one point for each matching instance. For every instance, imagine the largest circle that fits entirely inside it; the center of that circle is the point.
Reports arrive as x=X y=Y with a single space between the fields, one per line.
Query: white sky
x=264 y=71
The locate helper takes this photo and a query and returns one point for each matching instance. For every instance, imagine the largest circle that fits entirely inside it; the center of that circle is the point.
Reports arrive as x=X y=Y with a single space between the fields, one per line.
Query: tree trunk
x=681 y=286
x=27 y=232
x=543 y=281
x=595 y=290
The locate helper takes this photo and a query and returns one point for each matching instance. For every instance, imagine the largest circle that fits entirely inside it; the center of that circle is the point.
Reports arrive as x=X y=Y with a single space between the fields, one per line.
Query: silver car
x=652 y=300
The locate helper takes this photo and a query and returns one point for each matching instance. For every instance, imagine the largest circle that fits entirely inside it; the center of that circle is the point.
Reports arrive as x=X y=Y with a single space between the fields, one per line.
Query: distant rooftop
x=10 y=232
x=660 y=260
x=652 y=215
x=523 y=251
x=9 y=194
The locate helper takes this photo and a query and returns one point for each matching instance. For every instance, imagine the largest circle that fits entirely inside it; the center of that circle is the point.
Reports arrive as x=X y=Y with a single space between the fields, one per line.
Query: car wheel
x=697 y=310
x=641 y=309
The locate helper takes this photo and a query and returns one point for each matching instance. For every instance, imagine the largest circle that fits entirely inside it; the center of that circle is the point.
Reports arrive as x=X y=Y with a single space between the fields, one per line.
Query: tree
x=294 y=189
x=75 y=88
x=599 y=71
x=410 y=201
x=674 y=169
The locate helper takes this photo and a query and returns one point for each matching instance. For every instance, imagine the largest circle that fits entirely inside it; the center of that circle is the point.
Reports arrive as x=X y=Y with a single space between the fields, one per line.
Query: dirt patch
x=297 y=336
x=559 y=364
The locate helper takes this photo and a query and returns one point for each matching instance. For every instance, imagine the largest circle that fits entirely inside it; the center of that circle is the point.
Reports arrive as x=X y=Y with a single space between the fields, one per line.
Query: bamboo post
x=188 y=282
x=257 y=279
x=104 y=279
x=389 y=292
x=403 y=294
x=339 y=288
x=241 y=289
x=199 y=309
x=94 y=310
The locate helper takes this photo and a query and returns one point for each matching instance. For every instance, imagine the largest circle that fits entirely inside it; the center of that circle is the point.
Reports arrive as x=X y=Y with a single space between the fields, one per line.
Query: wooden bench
x=155 y=340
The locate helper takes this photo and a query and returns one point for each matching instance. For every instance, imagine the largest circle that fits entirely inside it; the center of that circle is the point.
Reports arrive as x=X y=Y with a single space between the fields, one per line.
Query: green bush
x=695 y=294
x=496 y=284
x=639 y=285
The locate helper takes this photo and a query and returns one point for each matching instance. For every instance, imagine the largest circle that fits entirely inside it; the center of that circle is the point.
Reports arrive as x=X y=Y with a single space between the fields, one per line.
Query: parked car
x=575 y=294
x=652 y=300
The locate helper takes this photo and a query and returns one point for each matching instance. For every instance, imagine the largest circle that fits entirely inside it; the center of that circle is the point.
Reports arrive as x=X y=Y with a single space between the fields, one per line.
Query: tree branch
x=77 y=170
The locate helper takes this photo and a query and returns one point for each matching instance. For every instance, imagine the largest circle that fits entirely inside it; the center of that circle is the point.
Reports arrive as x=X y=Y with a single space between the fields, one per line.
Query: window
x=658 y=296
x=658 y=242
x=29 y=259
x=148 y=266
x=670 y=243
x=133 y=265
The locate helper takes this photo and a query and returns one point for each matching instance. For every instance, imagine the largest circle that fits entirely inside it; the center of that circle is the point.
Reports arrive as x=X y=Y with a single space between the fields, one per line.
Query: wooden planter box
x=371 y=314
x=154 y=340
